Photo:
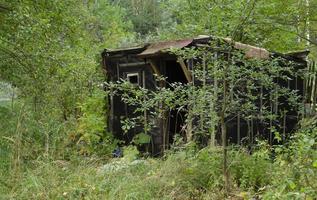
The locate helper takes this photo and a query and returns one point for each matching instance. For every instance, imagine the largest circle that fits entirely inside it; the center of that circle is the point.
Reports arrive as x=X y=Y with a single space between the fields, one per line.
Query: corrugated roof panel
x=250 y=51
x=160 y=46
x=156 y=48
x=125 y=49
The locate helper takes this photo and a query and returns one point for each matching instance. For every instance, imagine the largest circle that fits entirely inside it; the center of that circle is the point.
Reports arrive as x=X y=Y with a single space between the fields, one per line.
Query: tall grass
x=185 y=174
x=29 y=171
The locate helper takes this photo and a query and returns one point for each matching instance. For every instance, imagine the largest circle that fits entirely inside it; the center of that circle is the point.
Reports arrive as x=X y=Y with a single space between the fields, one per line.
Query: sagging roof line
x=154 y=49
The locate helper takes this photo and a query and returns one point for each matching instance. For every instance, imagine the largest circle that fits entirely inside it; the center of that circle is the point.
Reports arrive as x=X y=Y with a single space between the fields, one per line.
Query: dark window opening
x=174 y=72
x=133 y=78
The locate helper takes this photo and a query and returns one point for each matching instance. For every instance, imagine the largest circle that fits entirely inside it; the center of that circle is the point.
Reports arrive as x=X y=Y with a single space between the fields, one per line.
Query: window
x=133 y=78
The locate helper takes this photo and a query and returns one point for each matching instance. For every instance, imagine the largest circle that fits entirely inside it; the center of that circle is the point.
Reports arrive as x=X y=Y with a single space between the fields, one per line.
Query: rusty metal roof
x=249 y=50
x=128 y=49
x=156 y=48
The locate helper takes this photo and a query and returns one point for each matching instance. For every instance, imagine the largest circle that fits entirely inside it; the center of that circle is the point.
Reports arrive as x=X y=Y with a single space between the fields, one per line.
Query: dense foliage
x=53 y=138
x=187 y=173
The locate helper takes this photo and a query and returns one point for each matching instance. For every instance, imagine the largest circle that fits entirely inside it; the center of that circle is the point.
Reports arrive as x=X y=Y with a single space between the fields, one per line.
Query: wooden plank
x=162 y=120
x=105 y=68
x=185 y=70
x=111 y=113
x=190 y=64
x=118 y=72
x=131 y=64
x=156 y=71
x=284 y=125
x=155 y=68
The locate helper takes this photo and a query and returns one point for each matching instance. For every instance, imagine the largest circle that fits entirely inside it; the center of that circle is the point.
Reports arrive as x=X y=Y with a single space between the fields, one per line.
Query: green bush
x=91 y=136
x=295 y=167
x=185 y=172
x=251 y=171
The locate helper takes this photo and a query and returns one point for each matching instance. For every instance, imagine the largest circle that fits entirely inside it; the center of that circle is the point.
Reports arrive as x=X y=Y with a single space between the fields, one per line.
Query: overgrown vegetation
x=54 y=142
x=187 y=173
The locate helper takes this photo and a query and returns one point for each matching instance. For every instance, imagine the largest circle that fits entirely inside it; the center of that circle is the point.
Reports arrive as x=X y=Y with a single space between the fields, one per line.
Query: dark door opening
x=174 y=73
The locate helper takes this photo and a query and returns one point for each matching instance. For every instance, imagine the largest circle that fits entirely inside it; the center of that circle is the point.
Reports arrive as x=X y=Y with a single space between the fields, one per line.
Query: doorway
x=176 y=117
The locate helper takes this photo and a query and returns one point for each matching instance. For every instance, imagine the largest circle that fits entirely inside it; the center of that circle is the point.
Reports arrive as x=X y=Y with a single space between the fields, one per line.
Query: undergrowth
x=279 y=172
x=181 y=174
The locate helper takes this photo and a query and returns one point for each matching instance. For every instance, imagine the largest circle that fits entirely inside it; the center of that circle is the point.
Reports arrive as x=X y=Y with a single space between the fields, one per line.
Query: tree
x=238 y=87
x=50 y=53
x=276 y=25
x=146 y=15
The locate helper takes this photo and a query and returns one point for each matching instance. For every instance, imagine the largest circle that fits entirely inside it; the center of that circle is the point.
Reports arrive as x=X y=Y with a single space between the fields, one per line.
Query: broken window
x=133 y=78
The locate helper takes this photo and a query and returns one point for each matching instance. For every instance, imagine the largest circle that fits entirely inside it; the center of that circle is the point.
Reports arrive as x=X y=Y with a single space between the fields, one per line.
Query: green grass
x=5 y=103
x=180 y=175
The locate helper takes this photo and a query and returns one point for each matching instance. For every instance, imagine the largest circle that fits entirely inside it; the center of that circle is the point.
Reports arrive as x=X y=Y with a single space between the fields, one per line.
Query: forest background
x=52 y=107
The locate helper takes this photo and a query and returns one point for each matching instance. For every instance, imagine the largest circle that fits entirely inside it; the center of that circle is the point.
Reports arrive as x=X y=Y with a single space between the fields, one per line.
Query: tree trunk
x=189 y=133
x=224 y=130
x=225 y=153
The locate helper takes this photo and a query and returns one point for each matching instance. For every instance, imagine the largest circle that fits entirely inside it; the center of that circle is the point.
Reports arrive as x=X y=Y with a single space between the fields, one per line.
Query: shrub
x=295 y=167
x=91 y=136
x=251 y=171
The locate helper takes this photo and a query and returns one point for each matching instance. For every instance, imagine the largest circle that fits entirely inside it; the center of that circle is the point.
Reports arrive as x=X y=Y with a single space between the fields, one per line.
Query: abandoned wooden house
x=139 y=64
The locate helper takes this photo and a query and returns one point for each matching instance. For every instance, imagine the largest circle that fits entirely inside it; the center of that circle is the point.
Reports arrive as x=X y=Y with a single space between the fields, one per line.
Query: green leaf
x=315 y=164
x=141 y=138
x=292 y=185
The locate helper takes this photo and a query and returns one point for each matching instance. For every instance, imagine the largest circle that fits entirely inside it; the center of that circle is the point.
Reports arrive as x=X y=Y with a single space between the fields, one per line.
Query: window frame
x=131 y=74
